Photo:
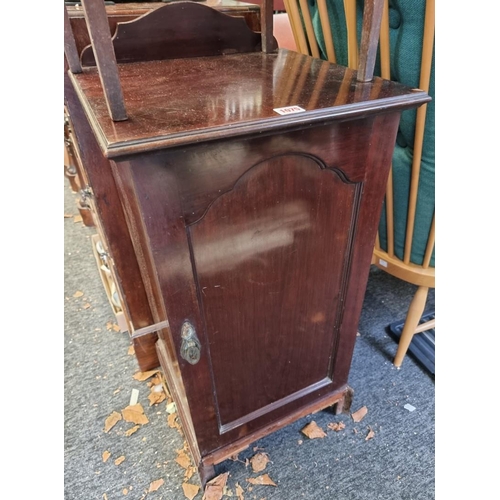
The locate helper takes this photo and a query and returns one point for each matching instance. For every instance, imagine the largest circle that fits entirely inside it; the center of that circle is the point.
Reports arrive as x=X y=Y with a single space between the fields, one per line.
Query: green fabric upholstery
x=406 y=22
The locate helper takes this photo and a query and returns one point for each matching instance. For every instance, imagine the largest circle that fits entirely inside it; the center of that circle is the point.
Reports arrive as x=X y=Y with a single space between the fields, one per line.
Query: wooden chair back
x=314 y=36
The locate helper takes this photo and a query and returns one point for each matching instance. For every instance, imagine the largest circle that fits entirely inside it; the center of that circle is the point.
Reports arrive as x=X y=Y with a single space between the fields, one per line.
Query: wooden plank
x=372 y=18
x=268 y=44
x=173 y=32
x=100 y=37
x=70 y=46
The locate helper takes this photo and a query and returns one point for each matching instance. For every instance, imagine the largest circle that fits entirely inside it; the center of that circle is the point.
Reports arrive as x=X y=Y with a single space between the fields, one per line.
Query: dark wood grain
x=268 y=42
x=199 y=99
x=70 y=49
x=203 y=172
x=270 y=262
x=97 y=24
x=123 y=12
x=150 y=37
x=372 y=18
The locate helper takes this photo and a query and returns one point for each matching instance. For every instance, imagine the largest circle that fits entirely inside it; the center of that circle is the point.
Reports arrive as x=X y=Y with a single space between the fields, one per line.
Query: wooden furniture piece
x=252 y=181
x=128 y=11
x=405 y=244
x=99 y=203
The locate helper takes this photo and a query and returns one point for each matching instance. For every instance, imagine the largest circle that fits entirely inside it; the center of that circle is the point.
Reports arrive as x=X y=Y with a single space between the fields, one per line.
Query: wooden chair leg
x=415 y=312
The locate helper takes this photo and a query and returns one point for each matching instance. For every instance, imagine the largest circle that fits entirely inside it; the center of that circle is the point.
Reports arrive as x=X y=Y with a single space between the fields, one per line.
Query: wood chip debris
x=156 y=395
x=165 y=387
x=132 y=430
x=190 y=471
x=336 y=426
x=155 y=380
x=135 y=414
x=119 y=460
x=155 y=485
x=313 y=431
x=259 y=461
x=370 y=435
x=190 y=490
x=111 y=421
x=215 y=487
x=239 y=492
x=183 y=459
x=236 y=458
x=264 y=479
x=77 y=294
x=227 y=492
x=173 y=422
x=141 y=376
x=359 y=415
x=105 y=455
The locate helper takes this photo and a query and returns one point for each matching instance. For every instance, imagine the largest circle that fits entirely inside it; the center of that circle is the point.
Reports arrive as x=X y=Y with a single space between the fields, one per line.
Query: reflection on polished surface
x=276 y=228
x=199 y=95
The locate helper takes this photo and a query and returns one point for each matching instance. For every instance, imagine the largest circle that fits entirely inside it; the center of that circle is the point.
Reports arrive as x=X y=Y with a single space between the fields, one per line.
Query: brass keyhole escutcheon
x=190 y=347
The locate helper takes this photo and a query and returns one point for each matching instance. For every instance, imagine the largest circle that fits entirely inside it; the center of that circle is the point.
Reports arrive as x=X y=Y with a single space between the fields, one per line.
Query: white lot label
x=288 y=110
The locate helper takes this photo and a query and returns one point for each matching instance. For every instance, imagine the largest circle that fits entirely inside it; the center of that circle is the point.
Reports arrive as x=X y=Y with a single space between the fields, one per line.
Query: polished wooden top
x=181 y=101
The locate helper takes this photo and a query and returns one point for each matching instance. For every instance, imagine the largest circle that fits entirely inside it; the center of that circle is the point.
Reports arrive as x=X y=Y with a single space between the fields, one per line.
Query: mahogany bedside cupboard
x=252 y=183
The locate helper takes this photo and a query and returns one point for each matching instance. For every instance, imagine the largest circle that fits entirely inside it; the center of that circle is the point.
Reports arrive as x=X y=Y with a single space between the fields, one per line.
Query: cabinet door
x=270 y=258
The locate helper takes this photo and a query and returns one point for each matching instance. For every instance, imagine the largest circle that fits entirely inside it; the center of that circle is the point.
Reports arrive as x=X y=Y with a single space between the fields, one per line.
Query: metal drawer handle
x=190 y=347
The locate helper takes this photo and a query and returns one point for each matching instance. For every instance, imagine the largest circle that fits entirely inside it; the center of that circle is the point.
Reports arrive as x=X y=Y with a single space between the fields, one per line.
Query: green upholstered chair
x=330 y=29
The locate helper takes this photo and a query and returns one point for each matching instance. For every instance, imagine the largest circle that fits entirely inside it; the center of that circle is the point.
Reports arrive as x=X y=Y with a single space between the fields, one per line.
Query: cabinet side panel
x=112 y=227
